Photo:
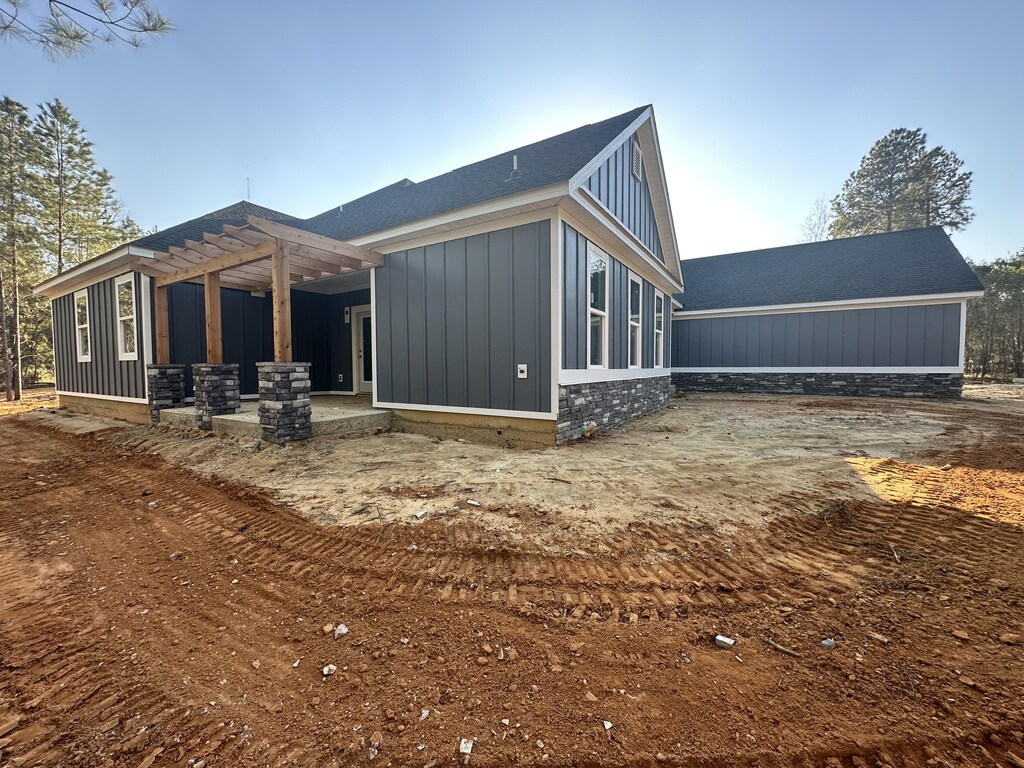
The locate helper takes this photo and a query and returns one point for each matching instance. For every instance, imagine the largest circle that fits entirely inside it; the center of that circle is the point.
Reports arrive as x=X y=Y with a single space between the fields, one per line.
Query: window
x=82 y=326
x=659 y=330
x=637 y=161
x=126 y=336
x=635 y=324
x=597 y=282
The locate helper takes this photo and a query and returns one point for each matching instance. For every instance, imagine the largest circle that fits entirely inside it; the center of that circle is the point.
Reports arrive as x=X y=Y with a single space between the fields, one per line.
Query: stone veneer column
x=165 y=385
x=284 y=402
x=216 y=391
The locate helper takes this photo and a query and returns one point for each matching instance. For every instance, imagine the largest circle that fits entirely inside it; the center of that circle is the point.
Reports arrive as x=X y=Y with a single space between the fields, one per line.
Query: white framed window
x=127 y=339
x=82 y=346
x=659 y=329
x=597 y=288
x=636 y=336
x=637 y=162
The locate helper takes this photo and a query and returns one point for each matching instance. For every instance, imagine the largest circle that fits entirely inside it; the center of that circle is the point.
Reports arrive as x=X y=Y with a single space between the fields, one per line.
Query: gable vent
x=637 y=161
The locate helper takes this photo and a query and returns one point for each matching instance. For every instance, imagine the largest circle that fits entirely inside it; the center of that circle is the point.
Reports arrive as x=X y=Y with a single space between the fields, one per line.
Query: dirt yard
x=161 y=616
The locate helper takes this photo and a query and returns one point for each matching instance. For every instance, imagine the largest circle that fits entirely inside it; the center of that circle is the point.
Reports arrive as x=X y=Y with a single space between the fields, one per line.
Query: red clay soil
x=150 y=618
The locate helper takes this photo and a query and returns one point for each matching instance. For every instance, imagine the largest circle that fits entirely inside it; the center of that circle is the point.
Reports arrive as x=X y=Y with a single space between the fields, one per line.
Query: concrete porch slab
x=332 y=415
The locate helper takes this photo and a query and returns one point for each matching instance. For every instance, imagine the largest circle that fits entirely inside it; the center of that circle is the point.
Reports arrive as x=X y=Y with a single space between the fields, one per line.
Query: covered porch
x=246 y=286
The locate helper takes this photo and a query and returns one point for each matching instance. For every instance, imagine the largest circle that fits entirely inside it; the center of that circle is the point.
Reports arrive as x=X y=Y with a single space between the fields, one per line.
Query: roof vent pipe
x=515 y=169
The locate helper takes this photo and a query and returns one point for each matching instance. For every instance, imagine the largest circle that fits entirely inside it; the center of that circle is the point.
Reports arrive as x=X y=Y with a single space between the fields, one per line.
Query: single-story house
x=877 y=314
x=523 y=297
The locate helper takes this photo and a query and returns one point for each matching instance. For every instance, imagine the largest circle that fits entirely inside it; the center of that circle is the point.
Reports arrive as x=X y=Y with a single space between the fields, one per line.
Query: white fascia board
x=621 y=248
x=458 y=232
x=886 y=301
x=551 y=193
x=568 y=377
x=663 y=179
x=835 y=369
x=546 y=416
x=109 y=264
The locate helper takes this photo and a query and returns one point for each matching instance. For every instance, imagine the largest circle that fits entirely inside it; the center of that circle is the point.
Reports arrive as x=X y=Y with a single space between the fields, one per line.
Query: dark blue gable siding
x=628 y=200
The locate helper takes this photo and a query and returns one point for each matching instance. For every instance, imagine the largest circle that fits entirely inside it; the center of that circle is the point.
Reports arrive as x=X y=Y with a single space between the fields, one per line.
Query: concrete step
x=366 y=423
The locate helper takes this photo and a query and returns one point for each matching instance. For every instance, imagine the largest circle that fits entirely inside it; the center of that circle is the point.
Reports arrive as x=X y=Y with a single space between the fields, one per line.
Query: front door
x=362 y=330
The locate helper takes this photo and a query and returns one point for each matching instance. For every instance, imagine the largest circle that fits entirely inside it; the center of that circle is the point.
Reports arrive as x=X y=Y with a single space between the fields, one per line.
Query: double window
x=635 y=322
x=659 y=329
x=597 y=287
x=82 y=327
x=127 y=348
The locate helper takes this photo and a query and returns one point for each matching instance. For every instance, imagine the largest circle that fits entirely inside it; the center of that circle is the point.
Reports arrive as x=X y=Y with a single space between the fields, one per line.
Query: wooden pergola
x=262 y=255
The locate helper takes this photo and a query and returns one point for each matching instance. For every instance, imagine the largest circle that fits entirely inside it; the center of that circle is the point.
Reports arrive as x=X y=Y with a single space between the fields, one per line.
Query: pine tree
x=901 y=184
x=78 y=215
x=17 y=155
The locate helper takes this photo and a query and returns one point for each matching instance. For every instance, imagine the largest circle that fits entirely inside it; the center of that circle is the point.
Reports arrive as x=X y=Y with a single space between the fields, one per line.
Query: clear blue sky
x=761 y=106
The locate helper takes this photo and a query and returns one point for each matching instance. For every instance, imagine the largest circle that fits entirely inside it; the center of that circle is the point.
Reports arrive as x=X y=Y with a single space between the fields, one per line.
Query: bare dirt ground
x=154 y=616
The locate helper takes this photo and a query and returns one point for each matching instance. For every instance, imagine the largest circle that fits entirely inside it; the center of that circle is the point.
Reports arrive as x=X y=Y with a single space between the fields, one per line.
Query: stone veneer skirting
x=285 y=410
x=934 y=385
x=607 y=403
x=216 y=391
x=165 y=385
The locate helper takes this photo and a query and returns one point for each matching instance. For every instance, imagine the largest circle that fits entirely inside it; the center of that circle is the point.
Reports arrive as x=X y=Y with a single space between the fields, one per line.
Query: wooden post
x=281 y=287
x=211 y=291
x=161 y=323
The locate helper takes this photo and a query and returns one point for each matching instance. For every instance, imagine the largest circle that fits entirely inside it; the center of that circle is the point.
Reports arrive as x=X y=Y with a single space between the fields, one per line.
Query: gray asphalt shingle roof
x=542 y=163
x=545 y=162
x=211 y=222
x=908 y=263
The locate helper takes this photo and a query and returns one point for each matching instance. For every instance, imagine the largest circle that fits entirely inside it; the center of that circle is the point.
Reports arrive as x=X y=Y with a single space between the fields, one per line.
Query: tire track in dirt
x=67 y=708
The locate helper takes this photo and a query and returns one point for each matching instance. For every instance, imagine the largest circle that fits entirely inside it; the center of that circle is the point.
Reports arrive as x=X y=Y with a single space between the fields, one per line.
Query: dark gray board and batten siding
x=628 y=199
x=454 y=319
x=576 y=315
x=924 y=336
x=104 y=374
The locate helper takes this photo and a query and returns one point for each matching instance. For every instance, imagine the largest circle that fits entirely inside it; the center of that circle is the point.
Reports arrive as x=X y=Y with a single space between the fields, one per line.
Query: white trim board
x=568 y=377
x=458 y=233
x=834 y=369
x=87 y=273
x=778 y=309
x=468 y=411
x=104 y=397
x=651 y=269
x=548 y=196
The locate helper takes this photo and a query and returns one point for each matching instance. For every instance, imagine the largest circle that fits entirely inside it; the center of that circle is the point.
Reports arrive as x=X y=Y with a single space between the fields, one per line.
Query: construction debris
x=724 y=642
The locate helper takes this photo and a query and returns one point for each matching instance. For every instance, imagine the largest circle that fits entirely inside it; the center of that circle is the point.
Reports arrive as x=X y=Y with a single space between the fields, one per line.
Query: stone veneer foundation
x=933 y=385
x=607 y=403
x=216 y=391
x=285 y=410
x=165 y=385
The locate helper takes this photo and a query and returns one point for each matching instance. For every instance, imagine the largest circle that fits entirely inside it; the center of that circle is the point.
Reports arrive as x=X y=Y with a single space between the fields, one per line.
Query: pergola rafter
x=263 y=255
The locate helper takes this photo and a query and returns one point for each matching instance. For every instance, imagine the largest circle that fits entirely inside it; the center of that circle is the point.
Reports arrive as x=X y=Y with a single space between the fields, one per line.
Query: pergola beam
x=218 y=264
x=302 y=237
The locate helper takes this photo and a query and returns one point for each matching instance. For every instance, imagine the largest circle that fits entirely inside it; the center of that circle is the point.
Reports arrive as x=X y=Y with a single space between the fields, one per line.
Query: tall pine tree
x=78 y=215
x=17 y=156
x=901 y=184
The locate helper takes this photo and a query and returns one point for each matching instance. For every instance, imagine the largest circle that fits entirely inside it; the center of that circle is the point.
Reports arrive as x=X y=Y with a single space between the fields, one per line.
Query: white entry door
x=362 y=349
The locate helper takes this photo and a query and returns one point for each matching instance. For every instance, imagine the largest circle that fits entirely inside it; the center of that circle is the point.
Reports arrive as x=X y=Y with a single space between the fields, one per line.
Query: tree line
x=902 y=183
x=57 y=209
